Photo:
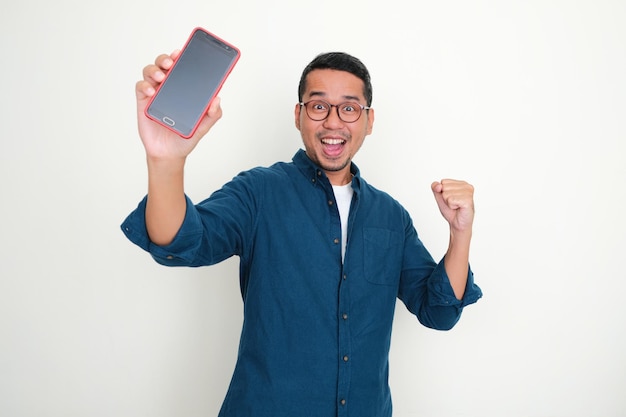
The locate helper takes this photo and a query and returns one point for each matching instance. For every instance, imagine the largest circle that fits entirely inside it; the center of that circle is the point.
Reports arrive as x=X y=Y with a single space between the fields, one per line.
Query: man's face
x=332 y=143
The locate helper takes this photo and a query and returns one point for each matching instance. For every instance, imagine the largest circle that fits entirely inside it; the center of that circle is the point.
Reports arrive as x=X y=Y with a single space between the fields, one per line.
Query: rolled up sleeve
x=181 y=251
x=440 y=292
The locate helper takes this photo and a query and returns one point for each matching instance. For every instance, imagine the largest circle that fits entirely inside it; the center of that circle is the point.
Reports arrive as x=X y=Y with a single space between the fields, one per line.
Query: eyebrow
x=323 y=94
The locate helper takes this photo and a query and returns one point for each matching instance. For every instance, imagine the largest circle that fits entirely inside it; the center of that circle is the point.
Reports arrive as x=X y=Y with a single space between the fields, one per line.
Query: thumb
x=210 y=118
x=437 y=189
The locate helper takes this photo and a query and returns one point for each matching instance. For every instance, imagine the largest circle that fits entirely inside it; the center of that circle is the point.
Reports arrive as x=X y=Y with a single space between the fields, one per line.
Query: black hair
x=339 y=61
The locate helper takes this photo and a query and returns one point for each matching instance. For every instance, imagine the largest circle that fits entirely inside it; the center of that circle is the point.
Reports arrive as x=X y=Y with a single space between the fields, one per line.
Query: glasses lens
x=317 y=109
x=349 y=111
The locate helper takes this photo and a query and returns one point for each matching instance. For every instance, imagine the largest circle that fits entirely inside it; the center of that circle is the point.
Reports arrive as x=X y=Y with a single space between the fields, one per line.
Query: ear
x=297 y=112
x=370 y=121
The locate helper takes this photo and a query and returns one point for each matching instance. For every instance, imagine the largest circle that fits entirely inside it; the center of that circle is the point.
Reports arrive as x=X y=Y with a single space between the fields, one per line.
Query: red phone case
x=219 y=87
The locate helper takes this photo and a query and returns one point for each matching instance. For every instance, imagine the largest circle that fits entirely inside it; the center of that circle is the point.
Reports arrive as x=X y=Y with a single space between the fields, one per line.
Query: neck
x=339 y=177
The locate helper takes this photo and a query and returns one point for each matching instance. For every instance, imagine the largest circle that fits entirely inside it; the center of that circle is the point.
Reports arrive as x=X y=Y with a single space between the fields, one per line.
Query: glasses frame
x=330 y=108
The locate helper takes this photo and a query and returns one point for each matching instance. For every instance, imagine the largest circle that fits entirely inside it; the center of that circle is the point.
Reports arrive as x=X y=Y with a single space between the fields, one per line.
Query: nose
x=333 y=118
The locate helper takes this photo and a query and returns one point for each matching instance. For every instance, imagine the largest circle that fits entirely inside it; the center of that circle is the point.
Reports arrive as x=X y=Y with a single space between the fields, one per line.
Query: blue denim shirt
x=316 y=332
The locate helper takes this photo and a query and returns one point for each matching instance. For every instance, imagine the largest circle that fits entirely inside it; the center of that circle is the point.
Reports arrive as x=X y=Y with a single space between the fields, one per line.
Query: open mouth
x=333 y=146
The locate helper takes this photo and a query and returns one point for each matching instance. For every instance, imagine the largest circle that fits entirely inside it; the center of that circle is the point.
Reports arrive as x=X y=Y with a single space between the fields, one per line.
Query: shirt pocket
x=382 y=261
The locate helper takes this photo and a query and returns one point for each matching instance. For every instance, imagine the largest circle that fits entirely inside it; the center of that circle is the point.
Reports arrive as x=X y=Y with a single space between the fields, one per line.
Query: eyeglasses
x=319 y=110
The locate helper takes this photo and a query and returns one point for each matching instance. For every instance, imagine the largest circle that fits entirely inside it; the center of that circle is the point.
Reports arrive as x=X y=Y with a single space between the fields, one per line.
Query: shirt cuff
x=440 y=292
x=181 y=251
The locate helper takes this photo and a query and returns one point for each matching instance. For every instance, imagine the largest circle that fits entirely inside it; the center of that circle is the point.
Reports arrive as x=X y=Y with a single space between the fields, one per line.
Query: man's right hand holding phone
x=166 y=153
x=161 y=143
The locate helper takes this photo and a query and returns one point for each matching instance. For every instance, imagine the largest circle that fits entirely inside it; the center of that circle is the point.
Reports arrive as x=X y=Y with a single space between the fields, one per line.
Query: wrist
x=165 y=164
x=460 y=235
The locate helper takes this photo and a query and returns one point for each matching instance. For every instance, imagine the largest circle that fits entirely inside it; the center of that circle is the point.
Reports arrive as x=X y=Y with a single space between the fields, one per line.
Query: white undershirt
x=343 y=195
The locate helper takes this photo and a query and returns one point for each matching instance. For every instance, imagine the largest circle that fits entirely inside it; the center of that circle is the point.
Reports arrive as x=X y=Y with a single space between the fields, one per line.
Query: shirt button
x=169 y=257
x=345 y=358
x=343 y=402
x=344 y=316
x=345 y=277
x=336 y=241
x=330 y=202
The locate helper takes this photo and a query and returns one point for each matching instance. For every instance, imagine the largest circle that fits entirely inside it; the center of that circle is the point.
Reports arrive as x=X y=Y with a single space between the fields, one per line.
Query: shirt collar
x=316 y=175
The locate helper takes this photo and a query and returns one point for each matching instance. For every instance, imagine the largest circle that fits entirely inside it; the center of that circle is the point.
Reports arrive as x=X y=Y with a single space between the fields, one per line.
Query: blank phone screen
x=193 y=81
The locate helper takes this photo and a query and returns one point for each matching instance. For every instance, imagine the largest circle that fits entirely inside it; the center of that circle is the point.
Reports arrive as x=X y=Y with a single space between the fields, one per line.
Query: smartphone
x=194 y=80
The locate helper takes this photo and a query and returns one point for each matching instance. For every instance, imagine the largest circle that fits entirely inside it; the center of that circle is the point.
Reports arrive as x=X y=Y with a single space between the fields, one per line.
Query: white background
x=524 y=99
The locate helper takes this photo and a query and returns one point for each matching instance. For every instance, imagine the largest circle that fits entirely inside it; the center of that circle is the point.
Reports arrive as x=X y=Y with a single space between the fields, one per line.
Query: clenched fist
x=456 y=203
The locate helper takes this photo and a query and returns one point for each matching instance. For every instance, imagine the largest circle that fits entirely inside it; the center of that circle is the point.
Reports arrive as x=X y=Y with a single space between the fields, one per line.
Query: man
x=323 y=254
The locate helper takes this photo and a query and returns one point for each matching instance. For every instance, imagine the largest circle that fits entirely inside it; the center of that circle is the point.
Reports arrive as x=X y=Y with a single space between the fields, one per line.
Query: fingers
x=456 y=194
x=144 y=90
x=157 y=71
x=154 y=74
